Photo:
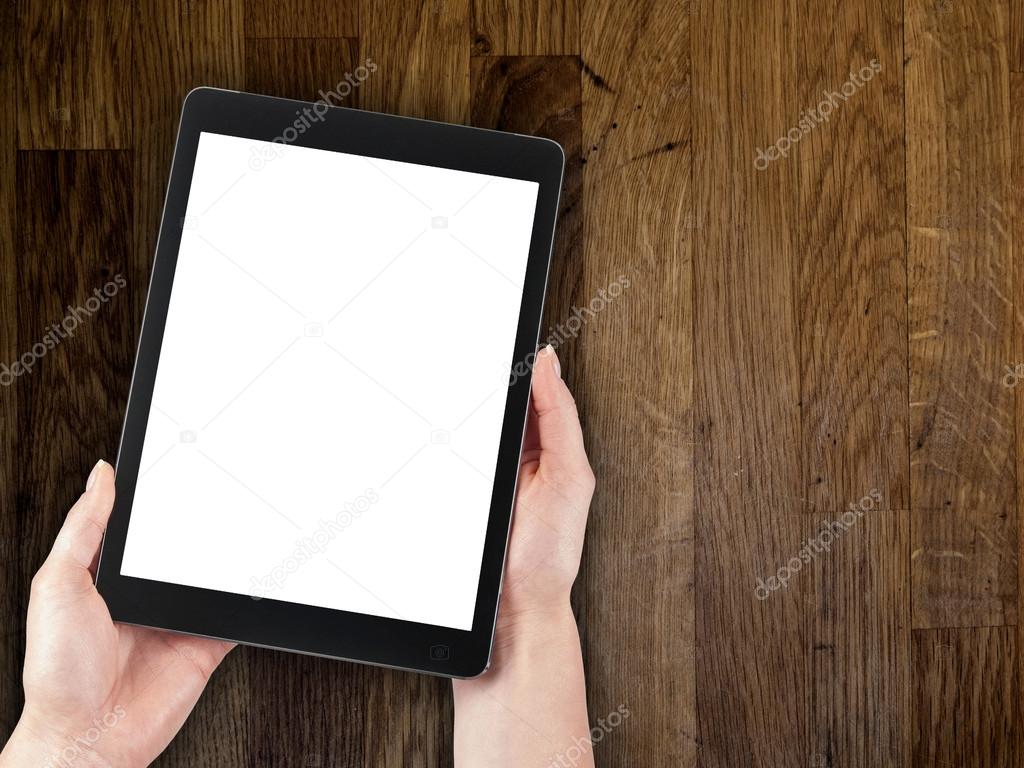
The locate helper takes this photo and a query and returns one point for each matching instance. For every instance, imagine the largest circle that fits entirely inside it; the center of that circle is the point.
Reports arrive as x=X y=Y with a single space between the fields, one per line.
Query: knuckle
x=587 y=477
x=575 y=483
x=42 y=581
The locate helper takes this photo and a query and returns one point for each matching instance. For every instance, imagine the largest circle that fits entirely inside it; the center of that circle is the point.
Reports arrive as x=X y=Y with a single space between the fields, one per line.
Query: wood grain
x=177 y=47
x=636 y=140
x=791 y=338
x=800 y=365
x=301 y=18
x=409 y=720
x=540 y=95
x=753 y=668
x=1016 y=35
x=305 y=69
x=299 y=705
x=69 y=247
x=12 y=648
x=849 y=247
x=73 y=94
x=860 y=647
x=421 y=52
x=960 y=294
x=1017 y=366
x=964 y=568
x=967 y=698
x=526 y=27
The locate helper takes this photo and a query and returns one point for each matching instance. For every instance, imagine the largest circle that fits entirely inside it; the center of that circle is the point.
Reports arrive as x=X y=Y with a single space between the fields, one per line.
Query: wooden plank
x=1016 y=34
x=800 y=393
x=12 y=621
x=966 y=707
x=297 y=705
x=526 y=27
x=636 y=361
x=177 y=47
x=305 y=69
x=849 y=242
x=73 y=56
x=409 y=721
x=422 y=52
x=301 y=18
x=540 y=96
x=960 y=313
x=754 y=668
x=73 y=240
x=1014 y=373
x=862 y=701
x=964 y=568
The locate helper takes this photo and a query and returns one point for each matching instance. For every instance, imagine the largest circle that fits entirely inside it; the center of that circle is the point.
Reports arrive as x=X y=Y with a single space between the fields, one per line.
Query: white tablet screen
x=332 y=381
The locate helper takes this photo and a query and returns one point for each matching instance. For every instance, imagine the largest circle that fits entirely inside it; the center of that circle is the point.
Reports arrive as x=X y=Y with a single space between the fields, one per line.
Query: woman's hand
x=99 y=693
x=552 y=500
x=530 y=708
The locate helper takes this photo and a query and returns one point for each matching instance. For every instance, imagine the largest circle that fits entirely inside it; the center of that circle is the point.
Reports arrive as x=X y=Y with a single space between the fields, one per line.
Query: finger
x=558 y=432
x=78 y=544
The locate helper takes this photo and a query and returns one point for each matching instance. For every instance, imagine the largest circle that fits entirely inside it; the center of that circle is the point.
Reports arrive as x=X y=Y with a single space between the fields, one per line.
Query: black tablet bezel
x=290 y=626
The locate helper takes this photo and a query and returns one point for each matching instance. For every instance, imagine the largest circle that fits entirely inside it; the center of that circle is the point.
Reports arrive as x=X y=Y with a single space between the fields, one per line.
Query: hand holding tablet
x=96 y=691
x=321 y=446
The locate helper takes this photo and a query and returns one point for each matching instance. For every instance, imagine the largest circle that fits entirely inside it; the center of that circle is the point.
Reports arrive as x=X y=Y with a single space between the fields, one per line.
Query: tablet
x=322 y=439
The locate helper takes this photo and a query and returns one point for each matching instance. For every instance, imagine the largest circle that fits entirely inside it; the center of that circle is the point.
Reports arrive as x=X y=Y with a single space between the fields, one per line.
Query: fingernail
x=550 y=350
x=92 y=475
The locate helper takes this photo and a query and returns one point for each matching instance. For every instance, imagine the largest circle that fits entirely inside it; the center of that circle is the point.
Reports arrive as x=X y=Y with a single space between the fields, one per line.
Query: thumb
x=77 y=545
x=558 y=429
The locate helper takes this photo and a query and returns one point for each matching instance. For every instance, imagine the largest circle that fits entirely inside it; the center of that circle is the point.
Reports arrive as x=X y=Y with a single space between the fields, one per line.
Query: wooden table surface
x=833 y=319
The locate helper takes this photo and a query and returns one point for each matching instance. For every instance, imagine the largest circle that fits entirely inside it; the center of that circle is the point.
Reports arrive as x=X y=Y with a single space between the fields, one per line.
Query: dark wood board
x=794 y=337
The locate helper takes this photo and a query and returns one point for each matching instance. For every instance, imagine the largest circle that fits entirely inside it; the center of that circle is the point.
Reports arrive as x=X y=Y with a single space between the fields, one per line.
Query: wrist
x=525 y=633
x=537 y=677
x=32 y=743
x=533 y=618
